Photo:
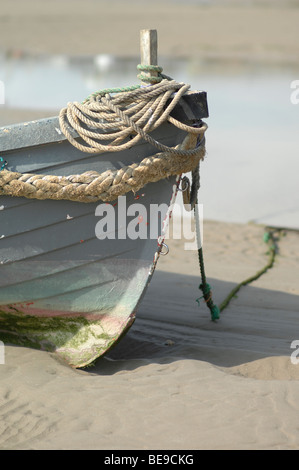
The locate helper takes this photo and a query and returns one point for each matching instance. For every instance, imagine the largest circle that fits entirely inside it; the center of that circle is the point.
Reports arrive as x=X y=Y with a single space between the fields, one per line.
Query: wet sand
x=266 y=32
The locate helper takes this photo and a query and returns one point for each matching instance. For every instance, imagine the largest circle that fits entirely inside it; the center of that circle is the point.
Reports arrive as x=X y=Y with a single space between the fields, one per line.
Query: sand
x=268 y=31
x=177 y=380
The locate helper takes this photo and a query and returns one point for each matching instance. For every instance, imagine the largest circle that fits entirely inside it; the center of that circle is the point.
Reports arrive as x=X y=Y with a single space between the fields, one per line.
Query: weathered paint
x=75 y=339
x=81 y=323
x=62 y=289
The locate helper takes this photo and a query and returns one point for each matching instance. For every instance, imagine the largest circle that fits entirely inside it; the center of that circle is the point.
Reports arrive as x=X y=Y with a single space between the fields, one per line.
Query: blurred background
x=245 y=54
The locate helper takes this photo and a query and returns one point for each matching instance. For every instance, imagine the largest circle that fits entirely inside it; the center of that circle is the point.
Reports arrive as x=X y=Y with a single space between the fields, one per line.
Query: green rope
x=3 y=163
x=142 y=76
x=106 y=91
x=204 y=286
x=206 y=289
x=150 y=68
x=271 y=241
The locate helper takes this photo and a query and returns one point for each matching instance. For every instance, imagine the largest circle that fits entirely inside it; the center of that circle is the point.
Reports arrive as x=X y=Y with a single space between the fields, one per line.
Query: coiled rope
x=133 y=113
x=108 y=123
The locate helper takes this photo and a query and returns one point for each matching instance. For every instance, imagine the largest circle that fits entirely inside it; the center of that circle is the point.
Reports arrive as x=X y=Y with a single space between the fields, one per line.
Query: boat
x=75 y=263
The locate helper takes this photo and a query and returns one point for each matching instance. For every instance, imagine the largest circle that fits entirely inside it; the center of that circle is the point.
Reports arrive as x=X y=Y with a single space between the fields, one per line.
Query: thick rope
x=107 y=186
x=122 y=120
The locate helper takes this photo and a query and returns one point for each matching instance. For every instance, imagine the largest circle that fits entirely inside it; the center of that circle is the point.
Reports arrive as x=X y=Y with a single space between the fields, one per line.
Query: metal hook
x=166 y=247
x=185 y=184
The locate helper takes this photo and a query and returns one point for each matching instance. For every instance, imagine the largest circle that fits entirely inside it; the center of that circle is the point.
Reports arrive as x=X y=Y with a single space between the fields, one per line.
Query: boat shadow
x=172 y=325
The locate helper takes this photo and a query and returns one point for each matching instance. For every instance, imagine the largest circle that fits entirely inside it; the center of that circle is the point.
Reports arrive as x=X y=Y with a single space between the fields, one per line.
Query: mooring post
x=149 y=50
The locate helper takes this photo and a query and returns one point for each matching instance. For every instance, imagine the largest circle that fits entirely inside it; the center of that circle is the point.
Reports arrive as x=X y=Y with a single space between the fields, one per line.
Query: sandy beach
x=265 y=31
x=177 y=380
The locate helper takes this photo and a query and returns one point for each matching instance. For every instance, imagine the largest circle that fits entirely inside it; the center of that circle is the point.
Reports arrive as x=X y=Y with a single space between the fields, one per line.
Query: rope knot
x=144 y=77
x=207 y=295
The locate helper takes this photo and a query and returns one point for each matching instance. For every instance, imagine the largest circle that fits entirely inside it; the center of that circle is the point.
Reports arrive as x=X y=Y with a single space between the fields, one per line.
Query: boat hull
x=69 y=282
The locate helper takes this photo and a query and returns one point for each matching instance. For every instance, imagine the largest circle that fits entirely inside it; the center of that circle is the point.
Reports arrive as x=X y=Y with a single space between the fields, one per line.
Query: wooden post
x=149 y=50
